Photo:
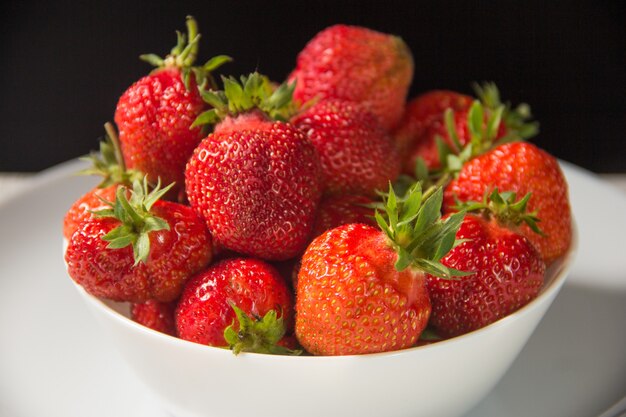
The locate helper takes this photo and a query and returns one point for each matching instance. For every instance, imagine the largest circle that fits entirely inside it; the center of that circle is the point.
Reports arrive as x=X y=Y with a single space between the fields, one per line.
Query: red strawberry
x=140 y=249
x=155 y=315
x=356 y=64
x=155 y=114
x=362 y=289
x=476 y=125
x=521 y=168
x=338 y=210
x=239 y=302
x=421 y=111
x=466 y=129
x=110 y=165
x=81 y=209
x=356 y=153
x=508 y=272
x=255 y=180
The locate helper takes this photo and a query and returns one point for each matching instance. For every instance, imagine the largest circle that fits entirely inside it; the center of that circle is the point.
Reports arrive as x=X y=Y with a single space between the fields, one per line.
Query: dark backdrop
x=64 y=64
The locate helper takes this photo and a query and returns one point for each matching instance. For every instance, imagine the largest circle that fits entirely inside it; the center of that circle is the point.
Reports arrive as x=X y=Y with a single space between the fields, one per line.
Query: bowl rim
x=559 y=270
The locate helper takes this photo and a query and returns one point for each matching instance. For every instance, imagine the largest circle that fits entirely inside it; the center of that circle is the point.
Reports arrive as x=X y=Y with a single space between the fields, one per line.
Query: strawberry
x=154 y=115
x=362 y=289
x=255 y=180
x=424 y=109
x=110 y=165
x=455 y=130
x=507 y=273
x=338 y=210
x=522 y=168
x=357 y=154
x=356 y=64
x=138 y=249
x=239 y=302
x=483 y=125
x=155 y=315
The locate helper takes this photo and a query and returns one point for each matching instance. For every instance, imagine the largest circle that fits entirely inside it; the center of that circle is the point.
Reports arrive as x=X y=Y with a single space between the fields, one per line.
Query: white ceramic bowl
x=444 y=379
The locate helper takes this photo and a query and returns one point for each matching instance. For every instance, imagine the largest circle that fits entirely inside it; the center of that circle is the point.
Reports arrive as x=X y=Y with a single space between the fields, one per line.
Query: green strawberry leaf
x=136 y=220
x=260 y=335
x=414 y=227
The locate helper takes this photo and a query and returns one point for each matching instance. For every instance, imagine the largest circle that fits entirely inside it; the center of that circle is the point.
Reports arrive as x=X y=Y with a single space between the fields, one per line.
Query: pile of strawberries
x=325 y=215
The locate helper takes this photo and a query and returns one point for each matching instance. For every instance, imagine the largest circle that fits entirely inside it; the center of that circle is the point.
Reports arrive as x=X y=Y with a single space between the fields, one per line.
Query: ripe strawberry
x=424 y=109
x=139 y=249
x=155 y=315
x=356 y=64
x=507 y=273
x=237 y=302
x=110 y=165
x=483 y=125
x=338 y=210
x=357 y=154
x=81 y=210
x=154 y=115
x=255 y=180
x=522 y=168
x=362 y=289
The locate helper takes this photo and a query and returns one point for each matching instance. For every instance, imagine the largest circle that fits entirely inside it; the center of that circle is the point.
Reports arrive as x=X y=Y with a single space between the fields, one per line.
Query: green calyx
x=415 y=229
x=483 y=133
x=517 y=120
x=136 y=219
x=184 y=55
x=109 y=162
x=254 y=91
x=258 y=334
x=505 y=208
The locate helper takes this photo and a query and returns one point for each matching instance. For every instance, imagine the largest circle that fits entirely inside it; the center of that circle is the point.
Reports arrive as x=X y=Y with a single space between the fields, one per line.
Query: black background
x=64 y=64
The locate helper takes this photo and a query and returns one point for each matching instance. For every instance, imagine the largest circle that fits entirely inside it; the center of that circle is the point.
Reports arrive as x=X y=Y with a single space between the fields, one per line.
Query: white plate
x=54 y=361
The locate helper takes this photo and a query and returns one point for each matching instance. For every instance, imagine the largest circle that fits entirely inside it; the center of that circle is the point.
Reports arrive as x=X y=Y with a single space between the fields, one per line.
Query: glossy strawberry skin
x=204 y=310
x=154 y=118
x=174 y=256
x=335 y=211
x=351 y=300
x=508 y=273
x=81 y=209
x=426 y=145
x=424 y=109
x=155 y=315
x=357 y=154
x=521 y=167
x=256 y=183
x=356 y=64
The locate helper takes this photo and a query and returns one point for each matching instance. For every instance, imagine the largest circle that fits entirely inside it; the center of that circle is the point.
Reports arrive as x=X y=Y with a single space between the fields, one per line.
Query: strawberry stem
x=115 y=140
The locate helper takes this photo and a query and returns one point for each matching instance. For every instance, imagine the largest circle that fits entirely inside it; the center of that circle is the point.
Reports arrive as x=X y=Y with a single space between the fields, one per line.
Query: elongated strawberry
x=138 y=249
x=109 y=164
x=424 y=109
x=362 y=289
x=507 y=273
x=155 y=114
x=255 y=180
x=155 y=315
x=356 y=64
x=239 y=302
x=522 y=168
x=357 y=154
